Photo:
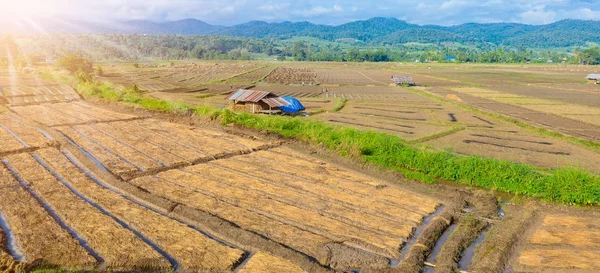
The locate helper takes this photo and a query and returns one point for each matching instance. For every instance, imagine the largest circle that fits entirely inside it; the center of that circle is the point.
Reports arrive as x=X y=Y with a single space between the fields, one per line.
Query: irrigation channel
x=413 y=240
x=12 y=246
x=53 y=214
x=248 y=255
x=437 y=248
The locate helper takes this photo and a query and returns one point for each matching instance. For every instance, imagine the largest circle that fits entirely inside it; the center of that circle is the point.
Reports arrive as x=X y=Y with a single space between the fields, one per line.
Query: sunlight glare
x=23 y=9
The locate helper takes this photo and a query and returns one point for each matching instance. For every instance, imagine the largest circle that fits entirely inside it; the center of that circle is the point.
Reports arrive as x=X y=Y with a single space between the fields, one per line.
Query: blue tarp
x=294 y=105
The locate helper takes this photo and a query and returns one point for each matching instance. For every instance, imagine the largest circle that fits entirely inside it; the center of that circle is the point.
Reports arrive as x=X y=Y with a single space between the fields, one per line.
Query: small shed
x=294 y=105
x=256 y=101
x=402 y=80
x=593 y=78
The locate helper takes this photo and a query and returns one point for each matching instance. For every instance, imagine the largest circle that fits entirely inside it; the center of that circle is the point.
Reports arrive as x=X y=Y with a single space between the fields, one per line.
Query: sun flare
x=26 y=9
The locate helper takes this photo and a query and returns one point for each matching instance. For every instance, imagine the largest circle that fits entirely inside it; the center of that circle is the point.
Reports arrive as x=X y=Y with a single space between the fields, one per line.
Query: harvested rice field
x=330 y=205
x=264 y=263
x=57 y=114
x=120 y=192
x=561 y=243
x=517 y=145
x=141 y=147
x=92 y=187
x=180 y=76
x=32 y=91
x=17 y=136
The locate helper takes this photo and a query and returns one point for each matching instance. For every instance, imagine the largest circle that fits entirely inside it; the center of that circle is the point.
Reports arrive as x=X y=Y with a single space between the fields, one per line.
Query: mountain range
x=374 y=31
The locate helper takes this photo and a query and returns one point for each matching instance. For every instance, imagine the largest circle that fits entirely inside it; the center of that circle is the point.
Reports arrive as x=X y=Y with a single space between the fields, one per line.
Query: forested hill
x=375 y=31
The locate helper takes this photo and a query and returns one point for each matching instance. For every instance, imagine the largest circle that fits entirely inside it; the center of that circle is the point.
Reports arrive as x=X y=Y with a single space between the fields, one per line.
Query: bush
x=99 y=71
x=74 y=63
x=83 y=76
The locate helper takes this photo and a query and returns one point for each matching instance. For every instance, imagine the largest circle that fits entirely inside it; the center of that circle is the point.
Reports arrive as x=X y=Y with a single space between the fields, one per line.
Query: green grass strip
x=339 y=105
x=566 y=185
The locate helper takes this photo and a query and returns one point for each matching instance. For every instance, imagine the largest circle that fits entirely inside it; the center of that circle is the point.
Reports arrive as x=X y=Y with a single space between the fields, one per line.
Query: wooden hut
x=256 y=101
x=399 y=80
x=593 y=78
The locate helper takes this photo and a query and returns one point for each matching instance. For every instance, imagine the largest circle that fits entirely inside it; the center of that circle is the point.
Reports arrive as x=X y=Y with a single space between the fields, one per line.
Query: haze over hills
x=375 y=31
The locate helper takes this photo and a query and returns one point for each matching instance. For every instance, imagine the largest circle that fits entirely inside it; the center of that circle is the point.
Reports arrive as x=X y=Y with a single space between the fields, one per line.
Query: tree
x=299 y=51
x=74 y=63
x=353 y=55
x=590 y=56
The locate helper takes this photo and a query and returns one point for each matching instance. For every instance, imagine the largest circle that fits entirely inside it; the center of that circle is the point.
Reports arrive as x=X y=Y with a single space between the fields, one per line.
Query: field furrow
x=9 y=143
x=299 y=239
x=292 y=215
x=130 y=154
x=333 y=179
x=118 y=246
x=38 y=235
x=107 y=158
x=99 y=113
x=190 y=248
x=191 y=136
x=264 y=263
x=182 y=150
x=30 y=135
x=68 y=113
x=334 y=197
x=80 y=116
x=348 y=215
x=150 y=149
x=44 y=115
x=541 y=260
x=126 y=153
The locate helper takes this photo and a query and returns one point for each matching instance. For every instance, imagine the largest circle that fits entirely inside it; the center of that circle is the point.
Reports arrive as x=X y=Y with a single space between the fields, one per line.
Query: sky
x=330 y=12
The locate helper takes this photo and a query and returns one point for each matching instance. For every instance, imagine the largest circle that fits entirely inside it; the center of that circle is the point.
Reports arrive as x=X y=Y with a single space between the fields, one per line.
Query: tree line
x=133 y=47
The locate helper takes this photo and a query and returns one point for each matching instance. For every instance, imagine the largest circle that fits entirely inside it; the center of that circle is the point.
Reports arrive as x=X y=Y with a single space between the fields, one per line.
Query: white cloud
x=228 y=12
x=271 y=7
x=456 y=4
x=318 y=10
x=537 y=16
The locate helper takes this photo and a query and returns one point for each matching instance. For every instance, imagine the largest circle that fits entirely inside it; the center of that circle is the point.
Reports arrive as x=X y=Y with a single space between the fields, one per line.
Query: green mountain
x=374 y=32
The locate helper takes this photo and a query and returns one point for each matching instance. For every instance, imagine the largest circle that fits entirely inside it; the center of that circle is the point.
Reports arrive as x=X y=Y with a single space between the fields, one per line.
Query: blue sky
x=229 y=12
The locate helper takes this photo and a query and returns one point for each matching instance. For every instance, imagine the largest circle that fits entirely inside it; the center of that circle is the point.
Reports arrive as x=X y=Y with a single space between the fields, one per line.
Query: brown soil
x=415 y=259
x=284 y=75
x=493 y=254
x=131 y=252
x=467 y=231
x=401 y=128
x=293 y=206
x=522 y=147
x=193 y=250
x=352 y=77
x=43 y=242
x=264 y=263
x=546 y=248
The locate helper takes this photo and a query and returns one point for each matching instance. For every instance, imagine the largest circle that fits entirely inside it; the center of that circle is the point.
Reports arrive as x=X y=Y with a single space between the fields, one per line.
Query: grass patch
x=438 y=135
x=204 y=96
x=339 y=105
x=391 y=152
